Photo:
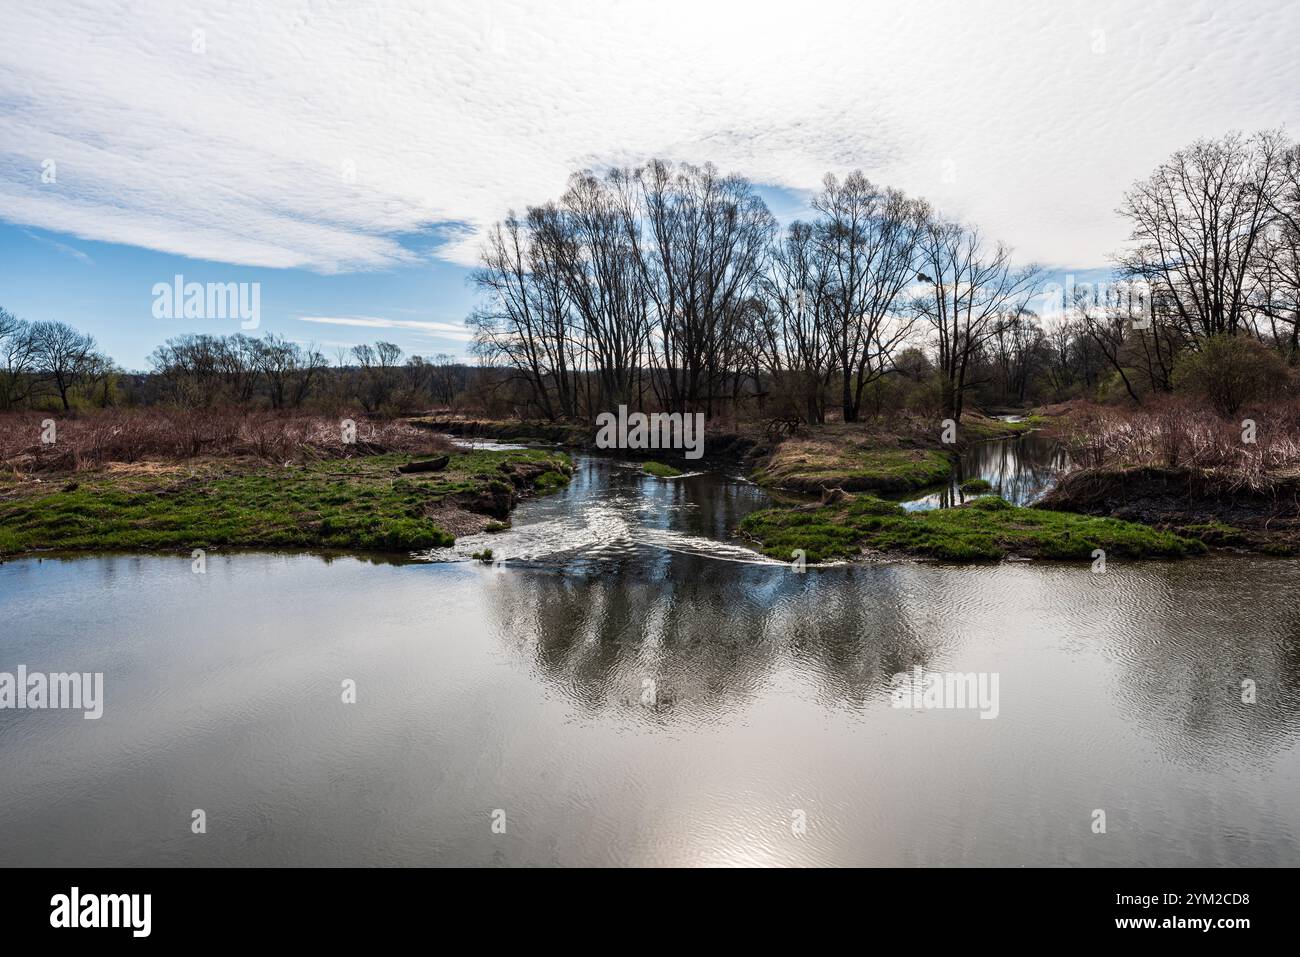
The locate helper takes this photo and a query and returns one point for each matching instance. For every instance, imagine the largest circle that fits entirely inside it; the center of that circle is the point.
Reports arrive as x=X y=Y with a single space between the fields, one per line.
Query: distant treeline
x=672 y=288
x=52 y=365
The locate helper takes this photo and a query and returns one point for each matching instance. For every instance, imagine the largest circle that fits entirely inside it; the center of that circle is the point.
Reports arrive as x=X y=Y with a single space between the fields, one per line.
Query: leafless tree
x=290 y=369
x=524 y=325
x=17 y=360
x=589 y=244
x=868 y=237
x=793 y=337
x=700 y=240
x=378 y=373
x=64 y=356
x=1279 y=269
x=1015 y=349
x=970 y=287
x=1198 y=226
x=447 y=379
x=238 y=360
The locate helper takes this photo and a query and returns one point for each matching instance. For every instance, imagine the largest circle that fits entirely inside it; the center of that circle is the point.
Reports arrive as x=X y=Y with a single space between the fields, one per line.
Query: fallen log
x=428 y=465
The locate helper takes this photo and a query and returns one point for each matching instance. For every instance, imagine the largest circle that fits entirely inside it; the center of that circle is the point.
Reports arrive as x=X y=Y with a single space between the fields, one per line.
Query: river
x=631 y=685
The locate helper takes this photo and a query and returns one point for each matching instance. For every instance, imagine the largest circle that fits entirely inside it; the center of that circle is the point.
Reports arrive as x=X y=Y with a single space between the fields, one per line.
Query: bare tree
x=869 y=239
x=378 y=373
x=289 y=369
x=447 y=379
x=970 y=287
x=701 y=239
x=1015 y=348
x=524 y=324
x=194 y=368
x=793 y=338
x=64 y=356
x=1199 y=223
x=1279 y=260
x=17 y=359
x=238 y=362
x=590 y=246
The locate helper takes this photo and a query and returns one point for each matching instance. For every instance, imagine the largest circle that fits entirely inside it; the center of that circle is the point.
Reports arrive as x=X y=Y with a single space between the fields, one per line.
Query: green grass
x=549 y=481
x=987 y=529
x=977 y=485
x=355 y=504
x=659 y=470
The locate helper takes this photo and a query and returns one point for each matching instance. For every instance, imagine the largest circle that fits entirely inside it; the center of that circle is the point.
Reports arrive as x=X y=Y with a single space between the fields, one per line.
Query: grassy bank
x=359 y=503
x=986 y=529
x=816 y=463
x=1213 y=506
x=903 y=456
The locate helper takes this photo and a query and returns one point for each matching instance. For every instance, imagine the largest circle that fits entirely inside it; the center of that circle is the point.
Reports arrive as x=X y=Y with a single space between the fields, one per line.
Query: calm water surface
x=525 y=687
x=1020 y=469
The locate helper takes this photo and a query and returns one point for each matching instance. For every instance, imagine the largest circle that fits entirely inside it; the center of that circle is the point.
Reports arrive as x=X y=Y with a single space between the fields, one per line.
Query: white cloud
x=314 y=134
x=440 y=330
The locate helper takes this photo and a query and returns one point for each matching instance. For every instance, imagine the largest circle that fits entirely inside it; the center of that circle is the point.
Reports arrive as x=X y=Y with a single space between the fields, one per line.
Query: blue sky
x=106 y=289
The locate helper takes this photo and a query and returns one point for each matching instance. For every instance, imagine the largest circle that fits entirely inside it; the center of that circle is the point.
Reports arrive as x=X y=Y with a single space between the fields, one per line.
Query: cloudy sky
x=346 y=156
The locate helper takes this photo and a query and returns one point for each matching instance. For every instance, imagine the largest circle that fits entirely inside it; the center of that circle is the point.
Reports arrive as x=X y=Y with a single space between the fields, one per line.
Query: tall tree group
x=676 y=285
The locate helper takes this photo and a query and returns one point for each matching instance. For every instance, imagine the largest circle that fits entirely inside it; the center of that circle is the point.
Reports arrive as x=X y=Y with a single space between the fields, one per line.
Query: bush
x=1182 y=433
x=1229 y=372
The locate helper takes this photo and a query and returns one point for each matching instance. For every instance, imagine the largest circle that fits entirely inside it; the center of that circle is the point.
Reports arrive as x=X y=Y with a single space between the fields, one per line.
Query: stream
x=630 y=684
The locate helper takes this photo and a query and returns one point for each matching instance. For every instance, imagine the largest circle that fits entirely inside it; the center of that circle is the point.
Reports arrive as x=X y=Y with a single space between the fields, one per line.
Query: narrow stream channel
x=613 y=512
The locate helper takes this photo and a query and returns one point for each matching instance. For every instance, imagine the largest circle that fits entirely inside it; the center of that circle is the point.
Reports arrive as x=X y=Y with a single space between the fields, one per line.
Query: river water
x=631 y=685
x=1019 y=469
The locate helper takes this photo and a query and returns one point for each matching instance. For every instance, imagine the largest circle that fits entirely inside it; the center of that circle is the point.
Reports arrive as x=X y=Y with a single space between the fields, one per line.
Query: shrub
x=1229 y=372
x=1177 y=433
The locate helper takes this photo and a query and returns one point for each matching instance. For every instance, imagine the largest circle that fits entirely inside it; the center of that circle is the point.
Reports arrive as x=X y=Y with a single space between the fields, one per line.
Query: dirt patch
x=457 y=520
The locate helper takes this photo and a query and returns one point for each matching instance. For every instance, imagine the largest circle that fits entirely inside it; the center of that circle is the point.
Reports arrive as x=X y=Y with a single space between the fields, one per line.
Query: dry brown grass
x=1176 y=434
x=93 y=440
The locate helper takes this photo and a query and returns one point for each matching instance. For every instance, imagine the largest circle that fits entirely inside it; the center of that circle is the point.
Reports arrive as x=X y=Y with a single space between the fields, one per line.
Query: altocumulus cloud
x=317 y=134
